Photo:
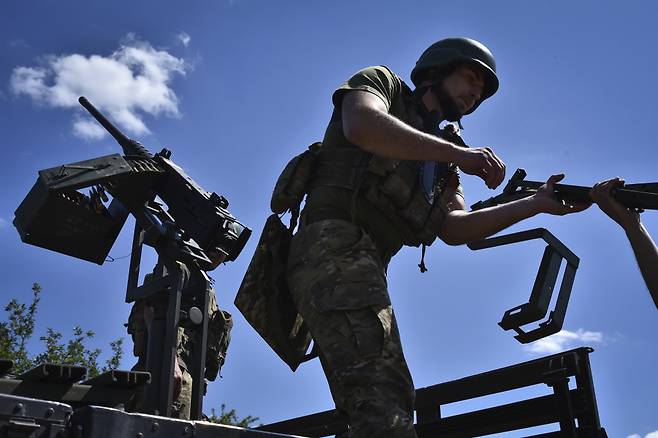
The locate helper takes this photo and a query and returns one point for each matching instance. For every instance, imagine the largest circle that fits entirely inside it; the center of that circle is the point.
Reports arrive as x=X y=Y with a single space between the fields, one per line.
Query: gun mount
x=196 y=226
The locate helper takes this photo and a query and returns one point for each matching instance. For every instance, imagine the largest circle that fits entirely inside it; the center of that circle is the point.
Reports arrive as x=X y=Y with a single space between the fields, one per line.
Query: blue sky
x=237 y=87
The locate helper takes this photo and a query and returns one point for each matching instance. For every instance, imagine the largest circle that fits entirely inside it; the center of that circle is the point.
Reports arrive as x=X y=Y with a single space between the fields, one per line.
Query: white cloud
x=649 y=435
x=564 y=340
x=133 y=81
x=184 y=38
x=87 y=128
x=18 y=43
x=3 y=223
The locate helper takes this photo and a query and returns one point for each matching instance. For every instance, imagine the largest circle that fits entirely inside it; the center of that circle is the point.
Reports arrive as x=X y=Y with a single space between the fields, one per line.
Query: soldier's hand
x=548 y=202
x=484 y=163
x=600 y=194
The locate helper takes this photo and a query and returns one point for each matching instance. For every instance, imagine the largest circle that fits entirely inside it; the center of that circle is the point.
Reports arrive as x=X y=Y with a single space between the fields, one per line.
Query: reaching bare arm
x=367 y=124
x=462 y=227
x=644 y=248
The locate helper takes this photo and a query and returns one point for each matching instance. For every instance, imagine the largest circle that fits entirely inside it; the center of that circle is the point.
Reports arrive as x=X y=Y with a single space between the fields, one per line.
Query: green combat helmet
x=451 y=51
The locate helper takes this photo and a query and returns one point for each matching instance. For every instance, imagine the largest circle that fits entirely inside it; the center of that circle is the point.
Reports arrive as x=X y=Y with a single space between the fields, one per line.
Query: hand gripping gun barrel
x=637 y=196
x=56 y=215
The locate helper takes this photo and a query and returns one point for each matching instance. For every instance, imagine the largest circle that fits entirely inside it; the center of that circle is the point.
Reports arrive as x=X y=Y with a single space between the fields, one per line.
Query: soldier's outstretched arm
x=644 y=248
x=462 y=227
x=367 y=124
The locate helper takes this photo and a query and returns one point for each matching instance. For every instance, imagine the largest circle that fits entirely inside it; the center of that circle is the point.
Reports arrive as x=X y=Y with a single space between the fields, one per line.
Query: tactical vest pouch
x=434 y=223
x=291 y=185
x=220 y=325
x=399 y=184
x=264 y=298
x=416 y=212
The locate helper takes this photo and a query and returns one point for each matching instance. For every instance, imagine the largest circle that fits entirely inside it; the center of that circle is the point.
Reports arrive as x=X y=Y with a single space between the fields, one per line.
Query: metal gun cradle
x=537 y=306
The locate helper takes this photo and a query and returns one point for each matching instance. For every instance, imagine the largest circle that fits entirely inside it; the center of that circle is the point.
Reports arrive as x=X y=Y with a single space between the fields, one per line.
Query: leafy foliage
x=19 y=328
x=17 y=331
x=230 y=417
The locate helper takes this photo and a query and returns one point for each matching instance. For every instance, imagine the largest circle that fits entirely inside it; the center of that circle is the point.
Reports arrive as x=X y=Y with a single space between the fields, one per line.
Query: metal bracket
x=537 y=306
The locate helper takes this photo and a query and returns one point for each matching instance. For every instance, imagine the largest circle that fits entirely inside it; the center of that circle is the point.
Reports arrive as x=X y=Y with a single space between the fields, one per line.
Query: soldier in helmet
x=387 y=176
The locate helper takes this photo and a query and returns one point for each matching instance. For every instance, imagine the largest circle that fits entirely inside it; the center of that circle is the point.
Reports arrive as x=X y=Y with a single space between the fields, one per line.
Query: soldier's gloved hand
x=548 y=203
x=482 y=162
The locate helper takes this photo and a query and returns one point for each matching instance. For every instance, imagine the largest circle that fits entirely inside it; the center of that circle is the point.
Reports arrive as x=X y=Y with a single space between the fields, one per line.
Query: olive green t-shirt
x=399 y=101
x=384 y=84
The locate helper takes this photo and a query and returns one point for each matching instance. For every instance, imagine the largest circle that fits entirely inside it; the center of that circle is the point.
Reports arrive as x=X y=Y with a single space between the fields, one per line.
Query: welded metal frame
x=67 y=384
x=166 y=291
x=540 y=298
x=575 y=410
x=24 y=417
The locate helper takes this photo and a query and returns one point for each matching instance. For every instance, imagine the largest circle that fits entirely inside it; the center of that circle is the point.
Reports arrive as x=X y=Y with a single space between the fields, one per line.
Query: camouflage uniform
x=338 y=282
x=219 y=328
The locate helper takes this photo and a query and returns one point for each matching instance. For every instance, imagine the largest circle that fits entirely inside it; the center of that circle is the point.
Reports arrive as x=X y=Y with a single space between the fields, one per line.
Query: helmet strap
x=450 y=110
x=431 y=119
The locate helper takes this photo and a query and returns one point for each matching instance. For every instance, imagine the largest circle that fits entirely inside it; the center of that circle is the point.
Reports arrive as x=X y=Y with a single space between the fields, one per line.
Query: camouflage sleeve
x=378 y=80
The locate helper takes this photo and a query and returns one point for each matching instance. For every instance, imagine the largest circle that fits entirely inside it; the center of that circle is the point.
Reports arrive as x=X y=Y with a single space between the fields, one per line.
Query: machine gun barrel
x=129 y=146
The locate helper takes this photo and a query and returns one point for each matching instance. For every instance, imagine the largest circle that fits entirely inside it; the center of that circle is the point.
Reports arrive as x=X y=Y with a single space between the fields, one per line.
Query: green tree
x=230 y=417
x=17 y=331
x=19 y=328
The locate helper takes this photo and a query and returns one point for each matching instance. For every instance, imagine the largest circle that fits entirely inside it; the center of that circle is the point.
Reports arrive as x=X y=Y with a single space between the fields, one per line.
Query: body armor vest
x=394 y=187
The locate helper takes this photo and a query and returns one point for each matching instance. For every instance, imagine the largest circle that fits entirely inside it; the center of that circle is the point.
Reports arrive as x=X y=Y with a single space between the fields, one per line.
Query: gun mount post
x=177 y=274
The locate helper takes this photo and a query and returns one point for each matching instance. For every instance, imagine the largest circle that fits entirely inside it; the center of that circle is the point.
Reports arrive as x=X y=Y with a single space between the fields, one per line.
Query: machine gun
x=641 y=197
x=56 y=215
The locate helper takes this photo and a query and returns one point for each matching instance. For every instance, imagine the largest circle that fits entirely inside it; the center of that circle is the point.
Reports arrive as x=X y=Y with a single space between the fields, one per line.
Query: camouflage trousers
x=338 y=282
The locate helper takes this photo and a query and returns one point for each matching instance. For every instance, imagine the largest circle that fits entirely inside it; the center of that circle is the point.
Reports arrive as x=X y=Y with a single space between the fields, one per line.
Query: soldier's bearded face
x=460 y=91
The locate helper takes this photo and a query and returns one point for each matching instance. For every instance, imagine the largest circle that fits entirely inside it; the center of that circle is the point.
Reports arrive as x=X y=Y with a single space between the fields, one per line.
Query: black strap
x=421 y=265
